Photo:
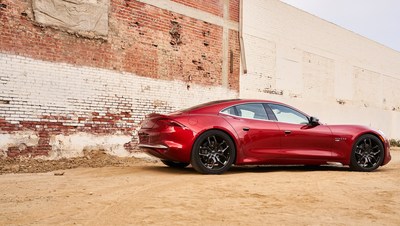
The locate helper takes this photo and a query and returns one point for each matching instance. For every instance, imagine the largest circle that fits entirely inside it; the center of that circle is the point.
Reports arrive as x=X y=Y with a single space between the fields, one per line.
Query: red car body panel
x=349 y=134
x=171 y=137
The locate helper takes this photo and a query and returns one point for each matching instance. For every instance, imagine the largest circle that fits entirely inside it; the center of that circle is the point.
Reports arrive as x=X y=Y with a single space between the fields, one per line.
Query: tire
x=213 y=152
x=367 y=154
x=173 y=164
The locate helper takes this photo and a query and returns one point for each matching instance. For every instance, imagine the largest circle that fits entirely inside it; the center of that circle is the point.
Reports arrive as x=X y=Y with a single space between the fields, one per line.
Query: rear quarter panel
x=200 y=123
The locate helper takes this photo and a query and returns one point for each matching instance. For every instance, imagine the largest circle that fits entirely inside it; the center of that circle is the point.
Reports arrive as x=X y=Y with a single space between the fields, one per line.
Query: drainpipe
x=242 y=52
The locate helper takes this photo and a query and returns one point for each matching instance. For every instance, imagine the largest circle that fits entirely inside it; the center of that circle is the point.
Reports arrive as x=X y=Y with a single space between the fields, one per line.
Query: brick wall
x=143 y=39
x=61 y=92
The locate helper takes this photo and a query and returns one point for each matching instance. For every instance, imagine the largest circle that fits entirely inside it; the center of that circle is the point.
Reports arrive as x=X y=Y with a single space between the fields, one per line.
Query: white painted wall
x=323 y=69
x=35 y=88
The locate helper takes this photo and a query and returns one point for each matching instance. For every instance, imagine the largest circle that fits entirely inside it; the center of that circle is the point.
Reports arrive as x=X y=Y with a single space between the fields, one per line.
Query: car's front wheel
x=213 y=152
x=173 y=164
x=367 y=154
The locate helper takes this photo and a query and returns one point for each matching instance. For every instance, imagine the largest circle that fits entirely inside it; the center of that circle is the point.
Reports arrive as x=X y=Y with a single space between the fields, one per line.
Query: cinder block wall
x=66 y=86
x=319 y=67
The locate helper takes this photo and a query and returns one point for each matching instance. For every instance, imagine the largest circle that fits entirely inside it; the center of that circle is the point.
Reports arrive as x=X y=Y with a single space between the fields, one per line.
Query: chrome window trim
x=220 y=112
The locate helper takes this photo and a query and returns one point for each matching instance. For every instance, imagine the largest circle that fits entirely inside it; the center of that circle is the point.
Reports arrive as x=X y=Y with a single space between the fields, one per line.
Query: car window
x=288 y=115
x=253 y=111
x=205 y=105
x=229 y=111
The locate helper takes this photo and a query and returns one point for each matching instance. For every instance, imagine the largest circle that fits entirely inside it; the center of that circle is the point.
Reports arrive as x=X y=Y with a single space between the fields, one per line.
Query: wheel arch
x=377 y=135
x=385 y=146
x=373 y=134
x=227 y=132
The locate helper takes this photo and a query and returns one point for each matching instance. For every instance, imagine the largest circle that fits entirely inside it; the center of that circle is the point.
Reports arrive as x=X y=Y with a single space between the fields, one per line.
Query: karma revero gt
x=213 y=136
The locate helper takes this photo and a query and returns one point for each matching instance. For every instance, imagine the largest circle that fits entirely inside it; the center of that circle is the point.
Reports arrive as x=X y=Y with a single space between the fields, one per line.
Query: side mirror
x=313 y=121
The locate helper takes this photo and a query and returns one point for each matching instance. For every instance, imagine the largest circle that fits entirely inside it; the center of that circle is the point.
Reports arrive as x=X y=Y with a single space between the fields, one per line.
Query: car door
x=257 y=134
x=299 y=139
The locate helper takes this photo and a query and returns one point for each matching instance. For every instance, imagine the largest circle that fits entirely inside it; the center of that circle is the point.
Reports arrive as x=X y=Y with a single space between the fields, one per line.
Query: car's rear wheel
x=213 y=152
x=367 y=154
x=173 y=164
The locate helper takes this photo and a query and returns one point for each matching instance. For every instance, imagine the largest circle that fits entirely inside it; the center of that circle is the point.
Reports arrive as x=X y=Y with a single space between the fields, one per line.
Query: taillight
x=147 y=124
x=168 y=123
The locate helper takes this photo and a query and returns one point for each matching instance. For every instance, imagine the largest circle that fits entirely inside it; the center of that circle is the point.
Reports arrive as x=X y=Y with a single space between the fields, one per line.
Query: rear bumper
x=149 y=146
x=167 y=139
x=172 y=144
x=168 y=153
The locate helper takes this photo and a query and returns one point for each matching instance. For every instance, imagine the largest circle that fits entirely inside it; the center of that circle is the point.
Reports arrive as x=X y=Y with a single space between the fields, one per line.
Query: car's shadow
x=249 y=169
x=291 y=168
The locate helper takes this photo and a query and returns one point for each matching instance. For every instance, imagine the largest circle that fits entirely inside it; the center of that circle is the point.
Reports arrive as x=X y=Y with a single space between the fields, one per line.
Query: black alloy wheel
x=213 y=152
x=367 y=154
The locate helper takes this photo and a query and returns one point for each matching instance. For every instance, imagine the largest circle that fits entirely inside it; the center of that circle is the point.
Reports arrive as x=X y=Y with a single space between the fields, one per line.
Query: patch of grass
x=394 y=143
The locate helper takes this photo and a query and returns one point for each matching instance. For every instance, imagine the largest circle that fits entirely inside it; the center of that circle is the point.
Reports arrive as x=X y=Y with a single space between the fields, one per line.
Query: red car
x=213 y=136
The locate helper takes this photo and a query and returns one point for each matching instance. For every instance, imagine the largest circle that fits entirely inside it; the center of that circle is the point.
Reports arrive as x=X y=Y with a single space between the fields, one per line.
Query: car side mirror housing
x=313 y=121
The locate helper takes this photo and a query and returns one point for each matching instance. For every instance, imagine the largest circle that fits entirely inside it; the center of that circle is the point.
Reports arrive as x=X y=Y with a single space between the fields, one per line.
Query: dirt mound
x=96 y=158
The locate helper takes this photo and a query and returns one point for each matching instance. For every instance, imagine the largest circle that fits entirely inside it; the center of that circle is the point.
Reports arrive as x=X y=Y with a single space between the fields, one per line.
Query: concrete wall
x=321 y=68
x=68 y=84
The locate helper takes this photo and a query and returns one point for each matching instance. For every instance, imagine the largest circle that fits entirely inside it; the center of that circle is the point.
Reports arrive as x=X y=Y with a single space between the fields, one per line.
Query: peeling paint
x=67 y=146
x=84 y=17
x=272 y=91
x=341 y=102
x=19 y=141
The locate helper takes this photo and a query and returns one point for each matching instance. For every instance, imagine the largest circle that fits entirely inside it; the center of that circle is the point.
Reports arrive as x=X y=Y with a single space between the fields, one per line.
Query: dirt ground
x=137 y=192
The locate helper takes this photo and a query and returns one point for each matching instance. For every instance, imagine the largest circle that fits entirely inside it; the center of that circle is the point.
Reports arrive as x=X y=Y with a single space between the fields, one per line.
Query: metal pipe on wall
x=241 y=42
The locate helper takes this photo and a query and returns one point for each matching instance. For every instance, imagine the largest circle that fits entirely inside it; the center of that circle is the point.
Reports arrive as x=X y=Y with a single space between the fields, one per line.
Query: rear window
x=251 y=111
x=229 y=111
x=206 y=105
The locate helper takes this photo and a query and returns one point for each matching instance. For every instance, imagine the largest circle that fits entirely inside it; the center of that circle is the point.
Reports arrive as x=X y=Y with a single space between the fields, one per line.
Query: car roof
x=217 y=106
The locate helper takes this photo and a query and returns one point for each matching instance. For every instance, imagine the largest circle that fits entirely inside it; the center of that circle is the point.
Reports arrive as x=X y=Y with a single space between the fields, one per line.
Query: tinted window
x=285 y=114
x=253 y=111
x=229 y=111
x=206 y=105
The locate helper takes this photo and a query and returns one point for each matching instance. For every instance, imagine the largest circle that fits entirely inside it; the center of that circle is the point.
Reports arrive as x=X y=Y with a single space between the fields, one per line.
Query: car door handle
x=246 y=128
x=288 y=132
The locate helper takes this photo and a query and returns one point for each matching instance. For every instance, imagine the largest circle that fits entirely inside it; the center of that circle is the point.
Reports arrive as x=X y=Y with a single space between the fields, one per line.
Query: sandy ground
x=148 y=193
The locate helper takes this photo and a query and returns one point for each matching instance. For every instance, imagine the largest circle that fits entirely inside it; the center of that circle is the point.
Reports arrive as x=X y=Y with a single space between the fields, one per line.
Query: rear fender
x=202 y=123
